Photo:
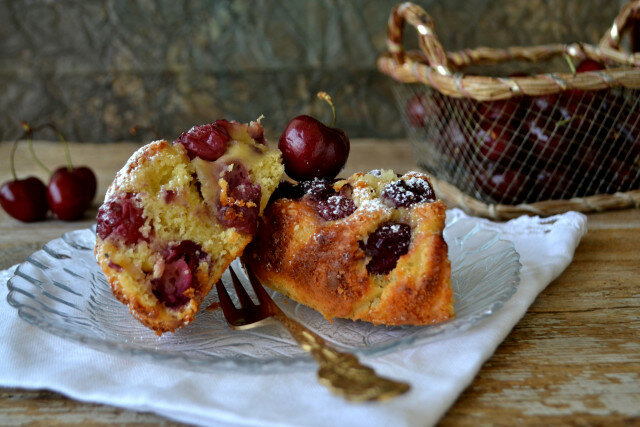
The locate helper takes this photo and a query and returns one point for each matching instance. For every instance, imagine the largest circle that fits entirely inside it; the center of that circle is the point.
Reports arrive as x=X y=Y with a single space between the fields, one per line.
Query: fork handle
x=342 y=372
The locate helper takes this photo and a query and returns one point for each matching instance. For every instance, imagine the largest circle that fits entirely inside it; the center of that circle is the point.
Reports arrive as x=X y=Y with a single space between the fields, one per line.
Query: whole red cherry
x=310 y=149
x=504 y=111
x=416 y=111
x=24 y=199
x=507 y=186
x=553 y=184
x=453 y=140
x=624 y=176
x=422 y=109
x=495 y=142
x=543 y=104
x=208 y=141
x=68 y=194
x=549 y=138
x=590 y=168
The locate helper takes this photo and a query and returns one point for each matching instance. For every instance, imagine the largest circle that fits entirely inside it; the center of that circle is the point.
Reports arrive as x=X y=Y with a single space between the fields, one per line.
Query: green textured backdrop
x=96 y=68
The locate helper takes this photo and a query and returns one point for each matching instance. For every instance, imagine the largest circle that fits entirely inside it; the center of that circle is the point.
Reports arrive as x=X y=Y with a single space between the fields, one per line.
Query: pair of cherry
x=68 y=194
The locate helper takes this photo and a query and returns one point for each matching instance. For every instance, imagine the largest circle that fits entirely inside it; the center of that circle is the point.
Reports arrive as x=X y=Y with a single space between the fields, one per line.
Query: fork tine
x=228 y=309
x=261 y=293
x=243 y=296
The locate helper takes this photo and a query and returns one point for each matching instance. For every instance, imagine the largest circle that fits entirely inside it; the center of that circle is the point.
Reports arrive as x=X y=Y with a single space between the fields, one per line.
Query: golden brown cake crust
x=321 y=264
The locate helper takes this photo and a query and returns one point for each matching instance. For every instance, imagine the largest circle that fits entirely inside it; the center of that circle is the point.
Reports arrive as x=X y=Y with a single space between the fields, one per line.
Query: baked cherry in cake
x=369 y=247
x=178 y=213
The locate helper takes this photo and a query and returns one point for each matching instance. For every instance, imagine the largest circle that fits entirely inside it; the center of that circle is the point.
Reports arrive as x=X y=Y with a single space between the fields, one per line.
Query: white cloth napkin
x=437 y=371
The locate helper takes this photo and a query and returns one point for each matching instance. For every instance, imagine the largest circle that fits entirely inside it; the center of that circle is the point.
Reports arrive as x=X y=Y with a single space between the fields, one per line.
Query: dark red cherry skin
x=181 y=265
x=503 y=111
x=171 y=286
x=416 y=111
x=543 y=104
x=548 y=139
x=318 y=189
x=405 y=193
x=329 y=204
x=335 y=207
x=89 y=178
x=122 y=218
x=506 y=186
x=311 y=149
x=385 y=246
x=287 y=190
x=421 y=109
x=596 y=172
x=209 y=142
x=553 y=185
x=243 y=215
x=589 y=65
x=25 y=199
x=452 y=141
x=625 y=138
x=67 y=194
x=188 y=250
x=495 y=142
x=624 y=176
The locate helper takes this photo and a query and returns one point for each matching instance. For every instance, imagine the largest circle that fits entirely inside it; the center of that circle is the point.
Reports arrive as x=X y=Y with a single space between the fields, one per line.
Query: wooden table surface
x=573 y=359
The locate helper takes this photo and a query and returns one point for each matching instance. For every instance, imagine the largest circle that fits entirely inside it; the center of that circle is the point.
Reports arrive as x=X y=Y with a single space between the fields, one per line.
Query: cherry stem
x=67 y=153
x=28 y=132
x=12 y=156
x=570 y=62
x=326 y=97
x=33 y=154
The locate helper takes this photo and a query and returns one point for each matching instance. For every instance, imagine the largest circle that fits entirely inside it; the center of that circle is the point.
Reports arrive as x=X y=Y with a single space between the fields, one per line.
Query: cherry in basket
x=507 y=112
x=589 y=65
x=496 y=142
x=422 y=109
x=507 y=186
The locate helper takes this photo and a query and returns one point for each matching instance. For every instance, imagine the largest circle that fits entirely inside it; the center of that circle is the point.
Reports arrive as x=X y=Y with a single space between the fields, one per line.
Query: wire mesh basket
x=538 y=142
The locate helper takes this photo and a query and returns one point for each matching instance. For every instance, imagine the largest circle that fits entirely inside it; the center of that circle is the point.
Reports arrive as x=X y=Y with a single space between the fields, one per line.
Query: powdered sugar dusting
x=372 y=205
x=407 y=192
x=366 y=198
x=123 y=177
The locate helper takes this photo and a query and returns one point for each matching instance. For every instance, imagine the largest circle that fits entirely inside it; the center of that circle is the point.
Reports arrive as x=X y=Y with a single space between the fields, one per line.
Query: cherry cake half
x=369 y=248
x=178 y=213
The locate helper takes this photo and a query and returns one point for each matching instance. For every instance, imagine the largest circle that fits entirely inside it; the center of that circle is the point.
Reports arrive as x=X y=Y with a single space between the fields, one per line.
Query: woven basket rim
x=432 y=65
x=595 y=203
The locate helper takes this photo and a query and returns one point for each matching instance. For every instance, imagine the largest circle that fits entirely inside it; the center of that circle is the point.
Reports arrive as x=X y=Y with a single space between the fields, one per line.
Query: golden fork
x=341 y=372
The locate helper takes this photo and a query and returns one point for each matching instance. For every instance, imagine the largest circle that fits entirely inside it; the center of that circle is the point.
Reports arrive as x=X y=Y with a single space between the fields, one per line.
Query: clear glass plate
x=62 y=290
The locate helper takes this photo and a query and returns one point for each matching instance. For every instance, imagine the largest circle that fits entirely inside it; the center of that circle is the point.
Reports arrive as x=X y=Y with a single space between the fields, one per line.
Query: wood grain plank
x=575 y=356
x=45 y=408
